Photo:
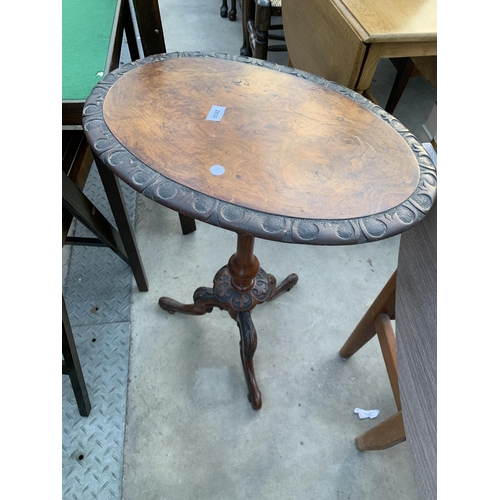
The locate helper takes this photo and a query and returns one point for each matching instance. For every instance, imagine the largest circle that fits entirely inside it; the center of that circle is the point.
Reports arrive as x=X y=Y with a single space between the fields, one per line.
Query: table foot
x=204 y=301
x=285 y=286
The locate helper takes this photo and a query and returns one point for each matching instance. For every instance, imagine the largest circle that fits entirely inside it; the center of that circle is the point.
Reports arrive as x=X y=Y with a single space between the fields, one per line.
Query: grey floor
x=170 y=417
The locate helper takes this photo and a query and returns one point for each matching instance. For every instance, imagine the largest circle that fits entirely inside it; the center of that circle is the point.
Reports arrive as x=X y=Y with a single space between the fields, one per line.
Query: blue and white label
x=216 y=113
x=217 y=169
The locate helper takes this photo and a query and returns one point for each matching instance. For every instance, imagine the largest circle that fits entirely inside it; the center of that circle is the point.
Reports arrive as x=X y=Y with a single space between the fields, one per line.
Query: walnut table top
x=290 y=157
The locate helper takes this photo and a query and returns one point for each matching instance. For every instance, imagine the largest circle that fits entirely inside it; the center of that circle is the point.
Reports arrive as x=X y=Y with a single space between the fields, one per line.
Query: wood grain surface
x=416 y=340
x=320 y=40
x=343 y=40
x=288 y=146
x=388 y=20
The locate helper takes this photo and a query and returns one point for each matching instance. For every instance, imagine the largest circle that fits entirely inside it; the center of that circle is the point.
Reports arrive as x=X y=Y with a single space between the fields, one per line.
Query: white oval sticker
x=217 y=169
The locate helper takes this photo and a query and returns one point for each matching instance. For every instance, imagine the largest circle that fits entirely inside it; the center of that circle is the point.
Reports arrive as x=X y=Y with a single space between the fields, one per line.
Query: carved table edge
x=219 y=213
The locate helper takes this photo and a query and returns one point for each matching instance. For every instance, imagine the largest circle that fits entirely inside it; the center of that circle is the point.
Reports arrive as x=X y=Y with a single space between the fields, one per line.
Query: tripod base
x=239 y=301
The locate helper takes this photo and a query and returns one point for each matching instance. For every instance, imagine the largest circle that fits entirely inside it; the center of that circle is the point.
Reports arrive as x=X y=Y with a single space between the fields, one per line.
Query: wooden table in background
x=292 y=159
x=343 y=40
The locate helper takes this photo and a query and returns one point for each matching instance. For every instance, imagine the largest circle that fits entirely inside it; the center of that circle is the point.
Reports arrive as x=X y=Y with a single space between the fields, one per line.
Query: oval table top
x=285 y=155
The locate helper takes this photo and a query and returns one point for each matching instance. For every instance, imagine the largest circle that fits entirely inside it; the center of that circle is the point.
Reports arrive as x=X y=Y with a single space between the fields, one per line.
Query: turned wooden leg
x=388 y=433
x=247 y=13
x=223 y=9
x=262 y=26
x=232 y=13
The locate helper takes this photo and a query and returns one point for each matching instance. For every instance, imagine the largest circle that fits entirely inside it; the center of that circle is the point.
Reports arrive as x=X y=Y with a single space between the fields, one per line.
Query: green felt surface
x=86 y=33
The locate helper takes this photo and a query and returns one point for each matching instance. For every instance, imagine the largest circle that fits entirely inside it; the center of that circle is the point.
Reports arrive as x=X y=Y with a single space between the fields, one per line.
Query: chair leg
x=130 y=32
x=77 y=205
x=261 y=42
x=117 y=203
x=365 y=330
x=262 y=25
x=188 y=224
x=231 y=13
x=247 y=14
x=148 y=16
x=223 y=9
x=71 y=365
x=388 y=433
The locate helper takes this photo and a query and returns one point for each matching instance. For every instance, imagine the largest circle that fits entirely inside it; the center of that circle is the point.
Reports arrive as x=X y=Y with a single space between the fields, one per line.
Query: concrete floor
x=190 y=431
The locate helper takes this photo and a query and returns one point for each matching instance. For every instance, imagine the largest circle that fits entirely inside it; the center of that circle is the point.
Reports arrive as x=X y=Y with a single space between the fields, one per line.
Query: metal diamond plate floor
x=97 y=295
